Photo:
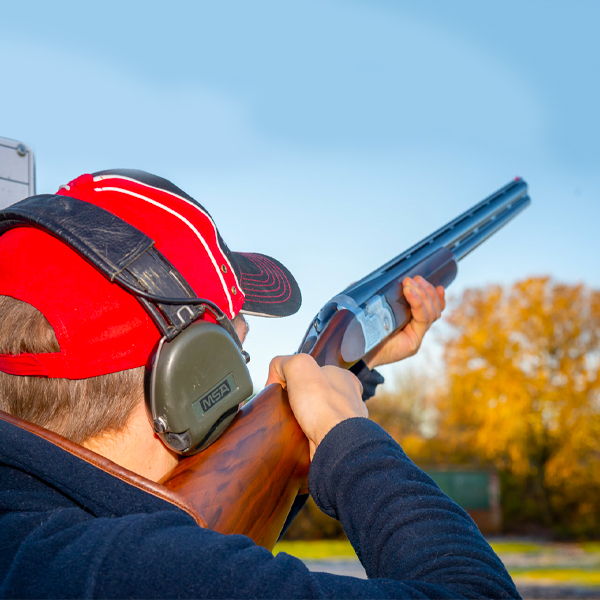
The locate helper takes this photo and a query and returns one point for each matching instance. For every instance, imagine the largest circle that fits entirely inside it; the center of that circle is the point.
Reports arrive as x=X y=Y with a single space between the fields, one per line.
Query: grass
x=552 y=576
x=317 y=549
x=591 y=546
x=341 y=548
x=524 y=547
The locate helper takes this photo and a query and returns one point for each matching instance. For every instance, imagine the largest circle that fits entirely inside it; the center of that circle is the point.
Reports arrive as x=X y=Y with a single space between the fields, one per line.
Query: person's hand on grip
x=320 y=397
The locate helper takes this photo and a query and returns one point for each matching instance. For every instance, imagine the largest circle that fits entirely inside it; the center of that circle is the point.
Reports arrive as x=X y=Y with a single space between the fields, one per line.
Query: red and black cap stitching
x=269 y=288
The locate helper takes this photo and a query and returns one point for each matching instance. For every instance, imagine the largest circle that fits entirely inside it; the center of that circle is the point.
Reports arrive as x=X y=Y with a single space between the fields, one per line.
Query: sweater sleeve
x=401 y=525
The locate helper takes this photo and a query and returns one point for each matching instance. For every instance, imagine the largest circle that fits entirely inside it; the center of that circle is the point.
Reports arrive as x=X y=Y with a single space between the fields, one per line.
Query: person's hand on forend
x=426 y=305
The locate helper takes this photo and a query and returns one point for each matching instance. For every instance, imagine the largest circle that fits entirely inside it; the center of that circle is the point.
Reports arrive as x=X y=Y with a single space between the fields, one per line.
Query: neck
x=136 y=447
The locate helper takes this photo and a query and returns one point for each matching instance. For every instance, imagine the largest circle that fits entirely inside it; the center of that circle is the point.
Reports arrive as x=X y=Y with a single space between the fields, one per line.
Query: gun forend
x=389 y=311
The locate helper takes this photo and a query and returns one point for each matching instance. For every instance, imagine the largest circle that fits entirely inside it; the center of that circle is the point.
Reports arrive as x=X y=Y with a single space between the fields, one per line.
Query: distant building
x=477 y=491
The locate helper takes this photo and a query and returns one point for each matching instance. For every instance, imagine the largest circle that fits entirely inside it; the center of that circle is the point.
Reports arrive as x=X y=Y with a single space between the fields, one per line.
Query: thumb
x=276 y=374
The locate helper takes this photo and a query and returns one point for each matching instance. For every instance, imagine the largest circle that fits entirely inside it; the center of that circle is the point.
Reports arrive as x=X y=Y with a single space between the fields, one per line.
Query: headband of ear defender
x=197 y=375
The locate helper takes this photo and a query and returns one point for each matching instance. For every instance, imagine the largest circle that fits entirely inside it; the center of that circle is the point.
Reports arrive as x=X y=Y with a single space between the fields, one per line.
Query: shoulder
x=69 y=553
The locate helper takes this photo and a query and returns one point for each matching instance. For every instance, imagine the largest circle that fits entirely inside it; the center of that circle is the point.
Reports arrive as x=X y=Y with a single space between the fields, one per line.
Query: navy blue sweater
x=71 y=530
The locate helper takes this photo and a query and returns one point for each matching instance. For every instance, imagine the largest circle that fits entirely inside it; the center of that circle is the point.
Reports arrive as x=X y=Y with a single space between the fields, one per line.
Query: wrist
x=316 y=439
x=371 y=363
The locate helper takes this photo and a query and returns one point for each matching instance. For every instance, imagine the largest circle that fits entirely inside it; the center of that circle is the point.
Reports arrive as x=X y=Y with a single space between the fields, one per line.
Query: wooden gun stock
x=246 y=482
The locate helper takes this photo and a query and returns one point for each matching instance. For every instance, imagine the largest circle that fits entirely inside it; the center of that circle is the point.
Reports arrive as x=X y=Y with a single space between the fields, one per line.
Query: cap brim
x=270 y=290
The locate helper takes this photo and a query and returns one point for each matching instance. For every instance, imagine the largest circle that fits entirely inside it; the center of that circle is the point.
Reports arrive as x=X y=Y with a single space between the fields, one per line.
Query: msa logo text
x=215 y=395
x=224 y=389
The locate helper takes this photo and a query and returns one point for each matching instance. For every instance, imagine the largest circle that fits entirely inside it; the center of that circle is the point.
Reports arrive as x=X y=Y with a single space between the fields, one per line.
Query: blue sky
x=330 y=134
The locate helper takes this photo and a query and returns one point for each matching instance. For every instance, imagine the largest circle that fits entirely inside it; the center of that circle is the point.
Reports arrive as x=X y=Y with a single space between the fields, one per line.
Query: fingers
x=340 y=379
x=426 y=302
x=286 y=369
x=282 y=367
x=441 y=292
x=432 y=295
x=276 y=371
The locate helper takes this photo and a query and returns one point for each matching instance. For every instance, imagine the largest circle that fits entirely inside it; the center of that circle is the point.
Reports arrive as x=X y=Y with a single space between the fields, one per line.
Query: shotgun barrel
x=378 y=305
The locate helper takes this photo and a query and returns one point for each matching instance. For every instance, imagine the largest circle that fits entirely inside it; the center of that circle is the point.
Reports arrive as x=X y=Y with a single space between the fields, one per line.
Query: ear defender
x=194 y=386
x=197 y=376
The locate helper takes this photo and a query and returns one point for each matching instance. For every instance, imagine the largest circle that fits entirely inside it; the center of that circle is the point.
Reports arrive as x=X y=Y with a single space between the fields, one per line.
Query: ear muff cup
x=194 y=385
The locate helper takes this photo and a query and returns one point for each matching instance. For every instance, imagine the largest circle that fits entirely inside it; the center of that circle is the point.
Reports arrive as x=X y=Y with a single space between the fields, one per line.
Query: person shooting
x=121 y=351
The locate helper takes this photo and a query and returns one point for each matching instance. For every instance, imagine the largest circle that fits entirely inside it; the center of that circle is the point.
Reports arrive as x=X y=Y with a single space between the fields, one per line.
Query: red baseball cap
x=100 y=327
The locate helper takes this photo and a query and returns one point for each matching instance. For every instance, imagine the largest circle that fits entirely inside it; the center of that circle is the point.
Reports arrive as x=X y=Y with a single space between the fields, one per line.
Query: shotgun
x=246 y=482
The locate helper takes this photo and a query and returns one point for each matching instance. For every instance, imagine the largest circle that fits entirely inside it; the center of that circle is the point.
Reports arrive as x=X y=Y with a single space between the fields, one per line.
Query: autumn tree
x=407 y=409
x=520 y=391
x=523 y=393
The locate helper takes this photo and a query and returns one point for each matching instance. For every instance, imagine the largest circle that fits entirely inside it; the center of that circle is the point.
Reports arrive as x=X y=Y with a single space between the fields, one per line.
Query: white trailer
x=17 y=172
